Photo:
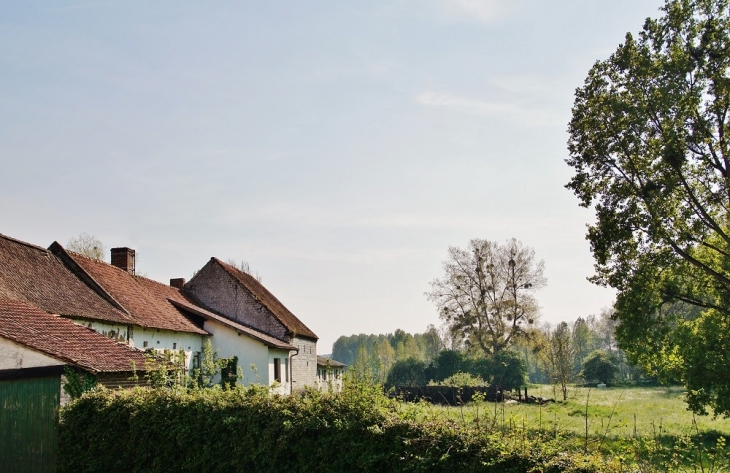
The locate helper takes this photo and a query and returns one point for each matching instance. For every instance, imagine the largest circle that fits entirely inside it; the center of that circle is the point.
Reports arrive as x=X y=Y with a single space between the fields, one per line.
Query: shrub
x=460 y=379
x=247 y=429
x=600 y=366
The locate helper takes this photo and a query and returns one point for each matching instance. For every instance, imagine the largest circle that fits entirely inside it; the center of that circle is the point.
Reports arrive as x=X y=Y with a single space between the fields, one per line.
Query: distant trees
x=390 y=347
x=558 y=354
x=87 y=245
x=486 y=294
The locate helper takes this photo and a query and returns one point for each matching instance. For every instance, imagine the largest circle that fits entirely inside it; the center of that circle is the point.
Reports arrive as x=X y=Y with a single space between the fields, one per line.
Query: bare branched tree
x=486 y=296
x=87 y=245
x=243 y=266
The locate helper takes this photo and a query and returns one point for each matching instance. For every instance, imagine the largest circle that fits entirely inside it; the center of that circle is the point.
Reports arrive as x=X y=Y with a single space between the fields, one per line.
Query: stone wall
x=304 y=364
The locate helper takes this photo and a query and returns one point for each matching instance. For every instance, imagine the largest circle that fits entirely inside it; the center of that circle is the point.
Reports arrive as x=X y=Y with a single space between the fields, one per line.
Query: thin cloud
x=478 y=107
x=481 y=10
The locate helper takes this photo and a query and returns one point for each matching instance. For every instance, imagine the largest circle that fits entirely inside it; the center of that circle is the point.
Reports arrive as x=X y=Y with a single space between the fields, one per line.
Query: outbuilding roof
x=322 y=361
x=64 y=340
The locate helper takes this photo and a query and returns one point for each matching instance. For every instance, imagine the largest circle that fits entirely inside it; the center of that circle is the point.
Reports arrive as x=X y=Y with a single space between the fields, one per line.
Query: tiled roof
x=145 y=300
x=322 y=361
x=263 y=296
x=35 y=275
x=267 y=340
x=64 y=340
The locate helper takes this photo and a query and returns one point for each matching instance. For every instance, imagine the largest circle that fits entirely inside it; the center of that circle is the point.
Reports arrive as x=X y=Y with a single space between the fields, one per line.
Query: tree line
x=583 y=351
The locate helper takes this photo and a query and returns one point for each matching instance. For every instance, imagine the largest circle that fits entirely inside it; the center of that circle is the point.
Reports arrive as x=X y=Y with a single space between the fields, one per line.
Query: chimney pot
x=124 y=258
x=177 y=282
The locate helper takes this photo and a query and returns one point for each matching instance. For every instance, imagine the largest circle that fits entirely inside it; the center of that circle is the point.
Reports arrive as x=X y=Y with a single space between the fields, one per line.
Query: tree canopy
x=486 y=294
x=87 y=245
x=648 y=145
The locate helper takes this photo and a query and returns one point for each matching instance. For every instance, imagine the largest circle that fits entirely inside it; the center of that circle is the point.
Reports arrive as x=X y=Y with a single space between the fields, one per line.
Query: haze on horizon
x=338 y=148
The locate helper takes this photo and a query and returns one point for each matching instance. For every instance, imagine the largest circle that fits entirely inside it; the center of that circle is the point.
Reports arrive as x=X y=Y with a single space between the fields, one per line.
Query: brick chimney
x=123 y=258
x=177 y=283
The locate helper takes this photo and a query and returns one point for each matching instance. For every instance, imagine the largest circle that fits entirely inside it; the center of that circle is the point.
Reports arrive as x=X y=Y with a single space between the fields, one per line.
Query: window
x=277 y=369
x=174 y=346
x=145 y=344
x=286 y=370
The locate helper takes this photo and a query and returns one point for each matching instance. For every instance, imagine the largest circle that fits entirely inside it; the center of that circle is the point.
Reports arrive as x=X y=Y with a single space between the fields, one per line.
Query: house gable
x=217 y=289
x=241 y=297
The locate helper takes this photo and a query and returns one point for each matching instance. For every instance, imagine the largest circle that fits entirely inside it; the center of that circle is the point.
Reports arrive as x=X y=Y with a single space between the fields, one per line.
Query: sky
x=338 y=147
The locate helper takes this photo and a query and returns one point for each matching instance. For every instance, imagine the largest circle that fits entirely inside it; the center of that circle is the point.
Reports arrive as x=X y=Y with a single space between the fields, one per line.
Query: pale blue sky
x=338 y=147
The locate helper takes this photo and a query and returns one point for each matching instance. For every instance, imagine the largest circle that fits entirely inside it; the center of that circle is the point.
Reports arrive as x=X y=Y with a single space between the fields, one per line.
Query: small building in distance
x=329 y=374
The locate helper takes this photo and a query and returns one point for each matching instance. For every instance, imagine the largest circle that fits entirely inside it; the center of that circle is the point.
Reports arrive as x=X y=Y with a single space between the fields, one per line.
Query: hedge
x=249 y=430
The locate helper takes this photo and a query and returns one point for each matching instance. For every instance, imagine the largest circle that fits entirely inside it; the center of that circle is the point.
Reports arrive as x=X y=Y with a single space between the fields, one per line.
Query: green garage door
x=28 y=423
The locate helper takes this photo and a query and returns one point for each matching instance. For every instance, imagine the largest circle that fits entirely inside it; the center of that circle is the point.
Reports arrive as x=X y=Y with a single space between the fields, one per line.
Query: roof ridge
x=31 y=245
x=67 y=257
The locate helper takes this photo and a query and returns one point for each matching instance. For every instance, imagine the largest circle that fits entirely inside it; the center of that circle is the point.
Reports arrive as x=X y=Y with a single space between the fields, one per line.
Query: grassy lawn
x=650 y=428
x=615 y=415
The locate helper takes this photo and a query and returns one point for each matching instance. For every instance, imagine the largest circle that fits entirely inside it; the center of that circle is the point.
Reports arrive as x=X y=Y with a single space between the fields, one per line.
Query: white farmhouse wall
x=226 y=342
x=16 y=356
x=158 y=339
x=118 y=332
x=284 y=386
x=329 y=379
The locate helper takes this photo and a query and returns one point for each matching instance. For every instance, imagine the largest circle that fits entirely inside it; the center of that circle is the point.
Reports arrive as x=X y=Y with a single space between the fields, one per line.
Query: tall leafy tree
x=558 y=354
x=487 y=293
x=649 y=147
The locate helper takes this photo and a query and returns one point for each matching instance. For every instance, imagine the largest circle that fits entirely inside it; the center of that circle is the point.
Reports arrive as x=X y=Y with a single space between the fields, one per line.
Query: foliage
x=408 y=372
x=486 y=294
x=358 y=430
x=77 y=382
x=461 y=379
x=87 y=245
x=165 y=369
x=600 y=366
x=648 y=146
x=506 y=369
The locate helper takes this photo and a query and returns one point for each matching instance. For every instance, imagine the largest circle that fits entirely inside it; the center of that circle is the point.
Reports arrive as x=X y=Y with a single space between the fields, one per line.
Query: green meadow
x=648 y=426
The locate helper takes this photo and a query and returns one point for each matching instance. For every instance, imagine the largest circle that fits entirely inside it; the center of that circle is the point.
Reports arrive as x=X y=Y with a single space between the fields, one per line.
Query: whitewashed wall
x=118 y=332
x=285 y=385
x=226 y=342
x=16 y=356
x=159 y=339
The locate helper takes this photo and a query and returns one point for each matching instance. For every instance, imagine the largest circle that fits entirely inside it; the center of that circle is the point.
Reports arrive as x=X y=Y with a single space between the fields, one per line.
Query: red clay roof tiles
x=35 y=275
x=64 y=340
x=144 y=299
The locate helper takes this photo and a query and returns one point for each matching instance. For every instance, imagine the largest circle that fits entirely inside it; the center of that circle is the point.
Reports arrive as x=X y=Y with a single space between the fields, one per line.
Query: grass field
x=612 y=412
x=618 y=420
